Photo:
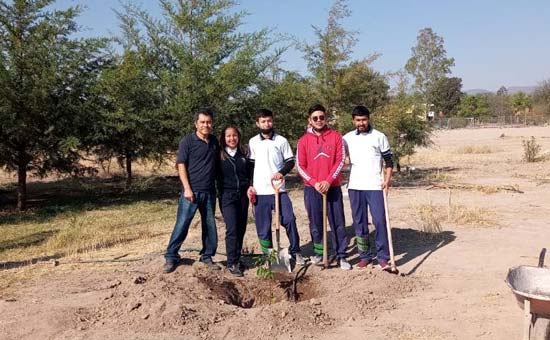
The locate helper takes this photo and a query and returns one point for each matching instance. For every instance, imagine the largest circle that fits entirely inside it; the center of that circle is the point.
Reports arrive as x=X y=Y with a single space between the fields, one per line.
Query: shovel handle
x=277 y=184
x=325 y=242
x=388 y=227
x=541 y=257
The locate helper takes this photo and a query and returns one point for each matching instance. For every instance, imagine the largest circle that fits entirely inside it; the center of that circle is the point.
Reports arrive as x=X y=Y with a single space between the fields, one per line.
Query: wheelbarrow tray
x=533 y=283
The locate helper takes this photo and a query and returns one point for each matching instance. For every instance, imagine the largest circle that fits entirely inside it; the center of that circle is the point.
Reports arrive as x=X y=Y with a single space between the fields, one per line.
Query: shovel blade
x=283 y=262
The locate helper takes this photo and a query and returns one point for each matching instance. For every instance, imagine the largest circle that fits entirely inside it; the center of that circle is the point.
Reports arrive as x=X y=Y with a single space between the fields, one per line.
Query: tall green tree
x=130 y=128
x=203 y=59
x=473 y=106
x=289 y=95
x=428 y=63
x=446 y=94
x=330 y=52
x=329 y=56
x=361 y=85
x=132 y=124
x=46 y=79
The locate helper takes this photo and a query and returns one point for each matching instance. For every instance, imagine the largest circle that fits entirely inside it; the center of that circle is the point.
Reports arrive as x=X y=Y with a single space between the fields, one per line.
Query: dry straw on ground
x=474 y=149
x=431 y=217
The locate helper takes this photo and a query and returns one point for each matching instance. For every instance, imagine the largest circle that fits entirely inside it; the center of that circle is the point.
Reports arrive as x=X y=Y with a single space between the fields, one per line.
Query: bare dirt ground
x=452 y=284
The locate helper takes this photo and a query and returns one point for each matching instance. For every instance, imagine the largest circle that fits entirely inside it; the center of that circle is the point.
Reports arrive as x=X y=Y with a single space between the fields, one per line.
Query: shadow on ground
x=408 y=244
x=27 y=240
x=421 y=177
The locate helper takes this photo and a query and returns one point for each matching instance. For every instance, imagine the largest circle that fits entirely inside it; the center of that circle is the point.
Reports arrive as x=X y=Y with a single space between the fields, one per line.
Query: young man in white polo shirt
x=272 y=158
x=367 y=147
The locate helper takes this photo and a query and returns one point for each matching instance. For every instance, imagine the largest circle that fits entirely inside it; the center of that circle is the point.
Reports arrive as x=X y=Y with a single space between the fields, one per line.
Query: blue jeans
x=205 y=202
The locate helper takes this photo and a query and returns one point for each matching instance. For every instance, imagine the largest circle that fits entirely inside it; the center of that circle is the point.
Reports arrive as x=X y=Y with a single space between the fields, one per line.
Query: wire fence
x=500 y=121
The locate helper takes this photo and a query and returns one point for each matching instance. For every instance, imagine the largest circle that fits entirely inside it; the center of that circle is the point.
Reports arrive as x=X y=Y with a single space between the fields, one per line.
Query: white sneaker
x=299 y=259
x=316 y=259
x=344 y=264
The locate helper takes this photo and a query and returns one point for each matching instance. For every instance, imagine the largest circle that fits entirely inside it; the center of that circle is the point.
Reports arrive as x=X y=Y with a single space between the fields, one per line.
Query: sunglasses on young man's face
x=318 y=118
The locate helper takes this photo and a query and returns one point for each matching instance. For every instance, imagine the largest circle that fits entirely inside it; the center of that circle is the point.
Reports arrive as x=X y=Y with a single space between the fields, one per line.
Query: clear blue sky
x=494 y=42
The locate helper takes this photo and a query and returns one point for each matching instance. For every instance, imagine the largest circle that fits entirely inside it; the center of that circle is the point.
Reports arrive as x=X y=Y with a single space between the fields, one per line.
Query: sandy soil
x=451 y=285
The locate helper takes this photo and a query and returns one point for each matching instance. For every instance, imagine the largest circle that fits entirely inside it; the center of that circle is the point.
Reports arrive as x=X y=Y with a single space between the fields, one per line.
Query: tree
x=428 y=63
x=46 y=80
x=202 y=58
x=473 y=106
x=132 y=124
x=446 y=94
x=541 y=98
x=402 y=120
x=521 y=102
x=499 y=105
x=328 y=56
x=360 y=85
x=502 y=91
x=289 y=96
x=130 y=127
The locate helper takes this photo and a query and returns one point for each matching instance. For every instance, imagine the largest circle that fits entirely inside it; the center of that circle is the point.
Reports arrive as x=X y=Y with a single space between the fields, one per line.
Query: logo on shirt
x=321 y=153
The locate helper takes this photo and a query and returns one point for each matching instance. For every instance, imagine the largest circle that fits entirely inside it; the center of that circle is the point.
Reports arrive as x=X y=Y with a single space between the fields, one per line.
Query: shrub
x=531 y=150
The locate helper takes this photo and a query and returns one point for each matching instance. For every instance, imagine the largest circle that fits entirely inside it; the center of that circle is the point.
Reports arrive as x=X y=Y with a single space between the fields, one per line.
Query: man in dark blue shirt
x=197 y=156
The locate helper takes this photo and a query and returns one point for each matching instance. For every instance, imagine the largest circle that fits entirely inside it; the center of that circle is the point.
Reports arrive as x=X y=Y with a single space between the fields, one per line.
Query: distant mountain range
x=511 y=90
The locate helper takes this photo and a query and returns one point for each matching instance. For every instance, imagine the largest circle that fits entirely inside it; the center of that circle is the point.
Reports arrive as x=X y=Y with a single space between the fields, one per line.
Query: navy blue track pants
x=263 y=208
x=361 y=201
x=313 y=201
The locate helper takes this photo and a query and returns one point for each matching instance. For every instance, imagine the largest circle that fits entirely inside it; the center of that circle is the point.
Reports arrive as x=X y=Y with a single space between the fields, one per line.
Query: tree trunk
x=22 y=186
x=128 y=170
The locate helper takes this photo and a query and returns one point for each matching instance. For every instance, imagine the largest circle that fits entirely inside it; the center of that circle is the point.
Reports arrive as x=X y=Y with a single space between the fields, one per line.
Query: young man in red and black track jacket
x=320 y=159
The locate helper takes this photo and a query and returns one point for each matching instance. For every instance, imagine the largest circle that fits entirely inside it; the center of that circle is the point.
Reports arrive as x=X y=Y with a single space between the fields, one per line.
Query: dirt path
x=453 y=285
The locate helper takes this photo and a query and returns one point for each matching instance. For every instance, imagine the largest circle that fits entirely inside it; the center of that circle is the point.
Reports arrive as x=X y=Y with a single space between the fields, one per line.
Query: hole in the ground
x=256 y=292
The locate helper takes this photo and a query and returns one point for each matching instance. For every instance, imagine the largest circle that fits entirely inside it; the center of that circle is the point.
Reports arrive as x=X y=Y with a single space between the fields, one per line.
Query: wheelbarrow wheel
x=540 y=329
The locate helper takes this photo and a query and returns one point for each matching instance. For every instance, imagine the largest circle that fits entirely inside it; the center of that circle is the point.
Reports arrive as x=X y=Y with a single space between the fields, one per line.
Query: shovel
x=325 y=242
x=393 y=268
x=283 y=257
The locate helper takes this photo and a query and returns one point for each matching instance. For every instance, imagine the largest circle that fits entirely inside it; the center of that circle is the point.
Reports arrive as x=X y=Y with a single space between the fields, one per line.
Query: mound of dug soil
x=135 y=300
x=212 y=304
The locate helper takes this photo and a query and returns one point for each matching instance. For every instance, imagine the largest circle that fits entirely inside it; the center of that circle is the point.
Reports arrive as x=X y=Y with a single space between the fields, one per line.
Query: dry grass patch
x=88 y=230
x=473 y=149
x=463 y=215
x=431 y=217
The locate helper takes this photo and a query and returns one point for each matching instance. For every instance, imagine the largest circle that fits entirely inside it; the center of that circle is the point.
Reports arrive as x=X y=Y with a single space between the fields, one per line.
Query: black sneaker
x=169 y=267
x=243 y=266
x=210 y=264
x=235 y=270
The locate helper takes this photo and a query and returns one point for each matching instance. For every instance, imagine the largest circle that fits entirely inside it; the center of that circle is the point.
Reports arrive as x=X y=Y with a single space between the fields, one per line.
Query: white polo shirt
x=269 y=155
x=365 y=153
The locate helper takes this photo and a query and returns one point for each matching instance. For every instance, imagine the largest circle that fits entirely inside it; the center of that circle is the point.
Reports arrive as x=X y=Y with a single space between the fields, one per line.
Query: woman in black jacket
x=233 y=182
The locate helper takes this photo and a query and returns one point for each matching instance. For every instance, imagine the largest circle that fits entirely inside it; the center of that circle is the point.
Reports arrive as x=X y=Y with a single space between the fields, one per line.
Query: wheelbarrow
x=531 y=287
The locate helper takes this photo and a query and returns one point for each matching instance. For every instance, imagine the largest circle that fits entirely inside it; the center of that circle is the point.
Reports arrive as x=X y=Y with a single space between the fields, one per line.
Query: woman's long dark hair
x=222 y=141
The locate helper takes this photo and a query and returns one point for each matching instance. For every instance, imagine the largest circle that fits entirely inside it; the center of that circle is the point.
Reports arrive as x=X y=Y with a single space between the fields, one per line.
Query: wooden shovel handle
x=277 y=184
x=325 y=227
